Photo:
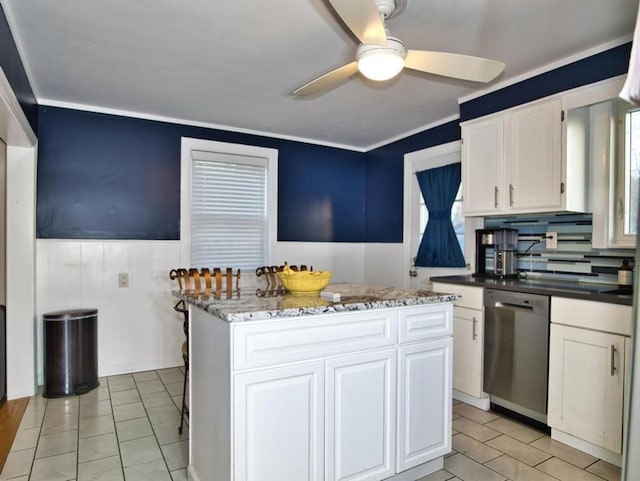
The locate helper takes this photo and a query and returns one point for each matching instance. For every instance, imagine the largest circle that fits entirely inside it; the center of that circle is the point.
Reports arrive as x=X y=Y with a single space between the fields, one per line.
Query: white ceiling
x=233 y=63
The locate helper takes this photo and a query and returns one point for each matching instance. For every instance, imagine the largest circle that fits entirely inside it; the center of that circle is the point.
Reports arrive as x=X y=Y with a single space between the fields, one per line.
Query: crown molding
x=548 y=67
x=172 y=120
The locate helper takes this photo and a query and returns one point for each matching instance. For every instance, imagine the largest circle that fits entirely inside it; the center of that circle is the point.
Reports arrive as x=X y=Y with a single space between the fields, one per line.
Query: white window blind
x=228 y=211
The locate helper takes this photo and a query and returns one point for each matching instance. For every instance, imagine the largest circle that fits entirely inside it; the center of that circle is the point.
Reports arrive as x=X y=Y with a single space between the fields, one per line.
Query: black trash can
x=70 y=352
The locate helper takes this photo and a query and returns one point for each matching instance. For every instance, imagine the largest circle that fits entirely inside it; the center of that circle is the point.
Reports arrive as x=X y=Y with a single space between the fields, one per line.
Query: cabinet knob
x=474 y=334
x=413 y=273
x=495 y=196
x=510 y=194
x=613 y=359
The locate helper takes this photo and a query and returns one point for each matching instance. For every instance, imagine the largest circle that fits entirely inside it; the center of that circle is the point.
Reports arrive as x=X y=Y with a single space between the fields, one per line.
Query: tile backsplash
x=573 y=259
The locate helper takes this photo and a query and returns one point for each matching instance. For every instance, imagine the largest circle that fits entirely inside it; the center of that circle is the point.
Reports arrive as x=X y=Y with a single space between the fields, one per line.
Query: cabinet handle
x=613 y=359
x=495 y=196
x=474 y=333
x=510 y=194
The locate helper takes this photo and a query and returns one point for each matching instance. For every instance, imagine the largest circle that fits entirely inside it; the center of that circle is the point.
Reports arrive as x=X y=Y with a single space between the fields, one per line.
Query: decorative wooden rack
x=200 y=282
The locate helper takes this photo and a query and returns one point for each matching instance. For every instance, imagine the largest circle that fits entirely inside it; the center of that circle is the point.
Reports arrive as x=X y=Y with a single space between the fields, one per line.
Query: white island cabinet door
x=360 y=415
x=424 y=402
x=279 y=424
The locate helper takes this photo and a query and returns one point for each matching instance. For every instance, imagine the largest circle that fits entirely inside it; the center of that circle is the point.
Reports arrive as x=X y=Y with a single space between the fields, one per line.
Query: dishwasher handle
x=513 y=307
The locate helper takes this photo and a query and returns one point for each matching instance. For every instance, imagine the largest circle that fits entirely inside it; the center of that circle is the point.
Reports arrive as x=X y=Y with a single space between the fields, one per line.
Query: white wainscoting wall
x=137 y=327
x=384 y=265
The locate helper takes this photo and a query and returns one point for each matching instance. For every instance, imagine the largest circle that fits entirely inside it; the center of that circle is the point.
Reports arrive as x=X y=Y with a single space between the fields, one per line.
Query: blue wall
x=385 y=180
x=15 y=73
x=105 y=176
x=609 y=63
x=111 y=177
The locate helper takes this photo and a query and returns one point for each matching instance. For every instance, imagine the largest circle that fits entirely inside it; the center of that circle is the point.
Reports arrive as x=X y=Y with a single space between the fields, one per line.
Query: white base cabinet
x=424 y=408
x=586 y=380
x=357 y=396
x=468 y=343
x=587 y=374
x=279 y=423
x=468 y=335
x=360 y=416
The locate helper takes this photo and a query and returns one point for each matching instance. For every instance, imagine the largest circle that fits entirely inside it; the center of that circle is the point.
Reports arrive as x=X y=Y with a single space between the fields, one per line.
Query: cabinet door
x=482 y=164
x=278 y=430
x=424 y=402
x=533 y=164
x=586 y=377
x=360 y=415
x=468 y=335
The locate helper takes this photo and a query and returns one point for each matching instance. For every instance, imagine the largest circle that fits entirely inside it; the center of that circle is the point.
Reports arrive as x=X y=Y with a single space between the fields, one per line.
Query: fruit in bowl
x=304 y=282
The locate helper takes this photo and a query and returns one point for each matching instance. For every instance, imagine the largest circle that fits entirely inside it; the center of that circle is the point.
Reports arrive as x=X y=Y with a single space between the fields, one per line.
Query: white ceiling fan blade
x=363 y=19
x=328 y=80
x=454 y=65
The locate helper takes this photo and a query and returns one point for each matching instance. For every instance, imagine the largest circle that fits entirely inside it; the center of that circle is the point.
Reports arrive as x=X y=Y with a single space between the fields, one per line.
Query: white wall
x=21 y=142
x=384 y=265
x=345 y=260
x=21 y=291
x=137 y=327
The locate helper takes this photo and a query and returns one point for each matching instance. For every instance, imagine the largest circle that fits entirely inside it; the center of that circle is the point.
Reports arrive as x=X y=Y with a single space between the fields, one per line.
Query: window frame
x=620 y=208
x=187 y=145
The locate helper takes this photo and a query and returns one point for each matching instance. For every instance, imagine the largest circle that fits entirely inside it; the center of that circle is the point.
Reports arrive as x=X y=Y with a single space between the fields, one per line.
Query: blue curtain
x=439 y=246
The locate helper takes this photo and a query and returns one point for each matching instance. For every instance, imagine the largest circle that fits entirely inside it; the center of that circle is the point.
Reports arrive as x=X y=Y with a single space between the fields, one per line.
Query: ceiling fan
x=382 y=57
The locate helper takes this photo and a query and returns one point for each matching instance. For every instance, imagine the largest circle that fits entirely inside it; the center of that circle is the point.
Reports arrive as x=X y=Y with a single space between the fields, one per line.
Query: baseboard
x=483 y=403
x=587 y=447
x=191 y=474
x=412 y=474
x=420 y=471
x=137 y=366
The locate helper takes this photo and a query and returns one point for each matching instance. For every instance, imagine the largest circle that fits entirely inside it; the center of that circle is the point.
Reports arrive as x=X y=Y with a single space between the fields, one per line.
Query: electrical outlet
x=123 y=279
x=552 y=240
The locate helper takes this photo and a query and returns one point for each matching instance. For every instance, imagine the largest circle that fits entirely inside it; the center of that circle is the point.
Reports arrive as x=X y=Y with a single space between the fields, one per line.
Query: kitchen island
x=295 y=388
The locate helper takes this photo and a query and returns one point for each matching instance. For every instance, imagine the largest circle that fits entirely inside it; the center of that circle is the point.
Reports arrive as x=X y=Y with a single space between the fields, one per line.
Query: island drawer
x=424 y=322
x=278 y=341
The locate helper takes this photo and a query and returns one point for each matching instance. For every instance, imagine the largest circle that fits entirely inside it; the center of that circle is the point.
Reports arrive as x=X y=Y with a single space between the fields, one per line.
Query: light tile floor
x=127 y=429
x=490 y=447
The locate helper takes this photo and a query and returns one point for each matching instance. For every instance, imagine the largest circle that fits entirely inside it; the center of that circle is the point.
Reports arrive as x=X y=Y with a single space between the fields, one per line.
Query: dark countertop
x=573 y=290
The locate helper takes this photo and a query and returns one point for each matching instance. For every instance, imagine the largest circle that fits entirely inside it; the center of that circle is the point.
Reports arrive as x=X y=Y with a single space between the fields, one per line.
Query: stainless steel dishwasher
x=516 y=351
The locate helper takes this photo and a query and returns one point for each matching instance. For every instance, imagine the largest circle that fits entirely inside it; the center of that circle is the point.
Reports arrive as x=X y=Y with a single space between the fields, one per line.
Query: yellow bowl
x=304 y=282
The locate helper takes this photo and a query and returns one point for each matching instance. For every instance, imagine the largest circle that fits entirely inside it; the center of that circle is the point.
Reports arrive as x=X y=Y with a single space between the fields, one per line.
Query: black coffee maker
x=501 y=244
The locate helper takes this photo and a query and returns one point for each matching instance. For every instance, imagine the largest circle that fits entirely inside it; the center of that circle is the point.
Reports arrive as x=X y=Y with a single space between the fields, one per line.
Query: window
x=228 y=210
x=457 y=219
x=228 y=198
x=627 y=185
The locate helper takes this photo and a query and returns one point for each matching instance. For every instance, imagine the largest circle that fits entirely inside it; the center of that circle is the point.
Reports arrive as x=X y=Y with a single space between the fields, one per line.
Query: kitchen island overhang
x=301 y=388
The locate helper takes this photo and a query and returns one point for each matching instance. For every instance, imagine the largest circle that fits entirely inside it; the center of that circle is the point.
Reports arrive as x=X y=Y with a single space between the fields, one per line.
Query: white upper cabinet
x=533 y=168
x=482 y=165
x=513 y=162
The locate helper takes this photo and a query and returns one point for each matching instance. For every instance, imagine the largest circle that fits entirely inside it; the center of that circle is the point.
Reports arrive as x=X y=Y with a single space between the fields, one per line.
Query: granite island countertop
x=247 y=305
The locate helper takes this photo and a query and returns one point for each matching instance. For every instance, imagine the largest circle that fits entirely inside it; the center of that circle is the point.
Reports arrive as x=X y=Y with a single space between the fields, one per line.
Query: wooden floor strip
x=10 y=416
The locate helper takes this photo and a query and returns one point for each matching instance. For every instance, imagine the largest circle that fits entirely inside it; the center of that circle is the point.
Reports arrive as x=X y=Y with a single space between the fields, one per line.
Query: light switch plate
x=552 y=240
x=123 y=279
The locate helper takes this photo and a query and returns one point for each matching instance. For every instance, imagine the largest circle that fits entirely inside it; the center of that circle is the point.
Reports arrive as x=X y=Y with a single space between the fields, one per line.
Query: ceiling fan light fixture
x=381 y=63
